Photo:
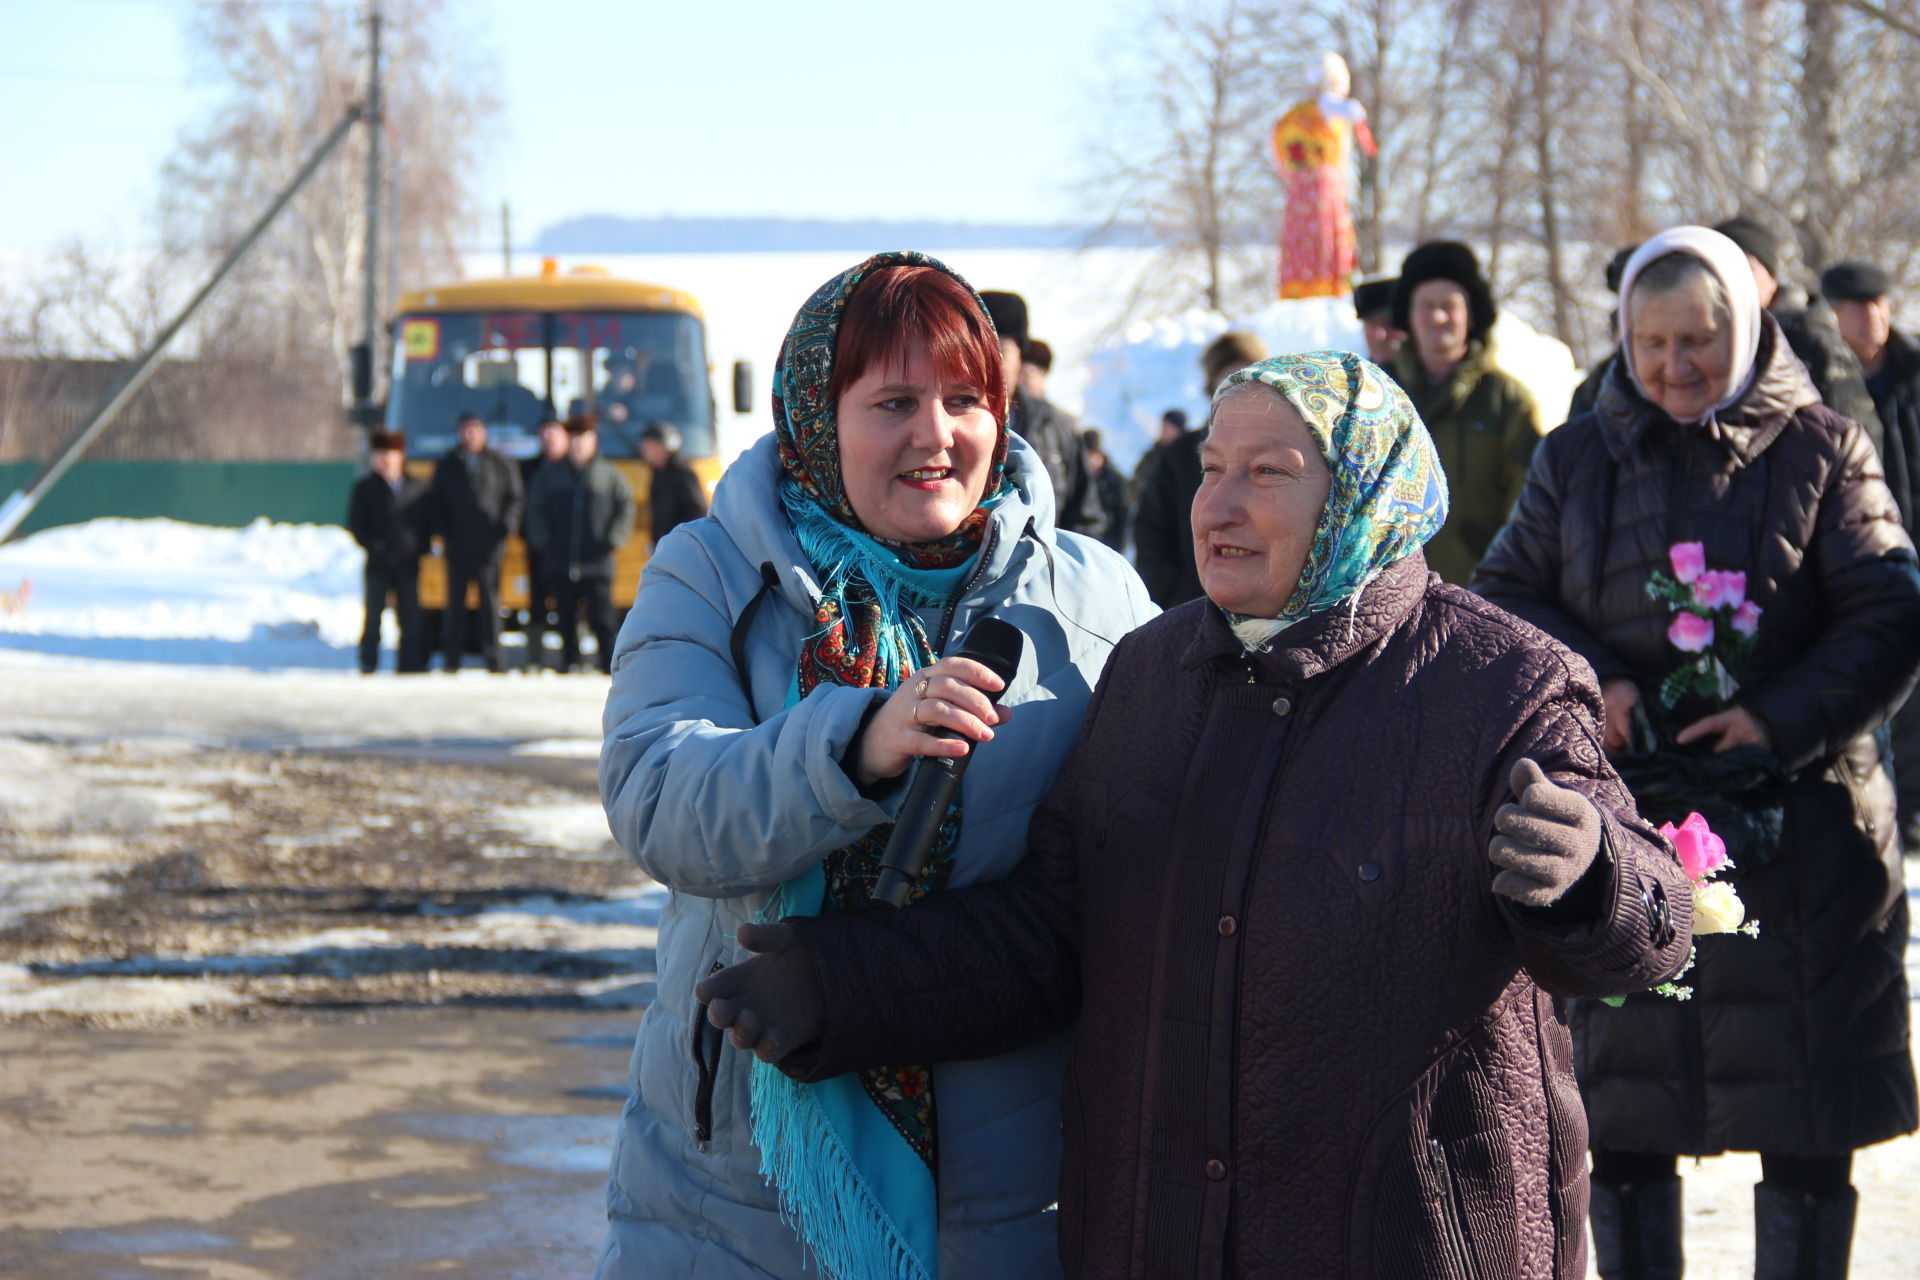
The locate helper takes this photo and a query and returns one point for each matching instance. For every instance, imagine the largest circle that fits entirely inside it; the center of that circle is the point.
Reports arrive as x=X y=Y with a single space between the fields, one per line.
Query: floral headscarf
x=1388 y=494
x=807 y=426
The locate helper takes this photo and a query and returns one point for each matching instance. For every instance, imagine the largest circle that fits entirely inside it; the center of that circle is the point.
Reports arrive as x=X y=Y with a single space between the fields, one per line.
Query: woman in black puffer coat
x=1795 y=1043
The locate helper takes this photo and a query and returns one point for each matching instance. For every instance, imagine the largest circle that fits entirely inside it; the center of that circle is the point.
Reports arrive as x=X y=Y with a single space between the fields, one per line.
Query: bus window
x=626 y=367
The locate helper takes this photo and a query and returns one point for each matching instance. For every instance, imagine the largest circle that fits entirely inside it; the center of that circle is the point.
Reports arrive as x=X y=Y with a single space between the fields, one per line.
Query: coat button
x=1227 y=926
x=1216 y=1170
x=1282 y=705
x=1369 y=871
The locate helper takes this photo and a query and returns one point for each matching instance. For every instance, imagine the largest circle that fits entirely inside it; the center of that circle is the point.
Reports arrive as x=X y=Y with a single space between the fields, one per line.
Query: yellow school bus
x=518 y=349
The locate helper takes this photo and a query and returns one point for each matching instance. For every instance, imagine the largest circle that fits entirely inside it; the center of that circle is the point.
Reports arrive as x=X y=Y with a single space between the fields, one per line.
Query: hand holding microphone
x=940 y=710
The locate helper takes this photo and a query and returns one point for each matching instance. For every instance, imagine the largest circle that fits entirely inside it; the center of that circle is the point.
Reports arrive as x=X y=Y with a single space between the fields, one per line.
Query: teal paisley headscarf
x=852 y=1159
x=1388 y=495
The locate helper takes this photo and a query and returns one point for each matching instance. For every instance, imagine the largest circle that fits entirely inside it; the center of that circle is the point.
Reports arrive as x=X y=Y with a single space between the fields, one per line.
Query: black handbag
x=1741 y=793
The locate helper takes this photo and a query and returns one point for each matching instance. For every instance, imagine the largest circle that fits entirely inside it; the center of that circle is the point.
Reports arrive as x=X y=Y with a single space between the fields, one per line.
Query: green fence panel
x=216 y=493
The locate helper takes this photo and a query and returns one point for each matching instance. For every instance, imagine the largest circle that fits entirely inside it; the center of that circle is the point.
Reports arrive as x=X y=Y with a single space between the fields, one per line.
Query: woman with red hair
x=786 y=661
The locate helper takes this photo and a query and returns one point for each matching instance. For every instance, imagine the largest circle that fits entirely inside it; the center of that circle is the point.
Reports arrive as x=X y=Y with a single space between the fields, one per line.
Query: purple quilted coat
x=1312 y=1041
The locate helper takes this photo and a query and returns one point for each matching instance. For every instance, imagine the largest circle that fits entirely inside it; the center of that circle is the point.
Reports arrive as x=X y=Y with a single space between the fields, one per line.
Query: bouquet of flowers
x=1716 y=907
x=1712 y=617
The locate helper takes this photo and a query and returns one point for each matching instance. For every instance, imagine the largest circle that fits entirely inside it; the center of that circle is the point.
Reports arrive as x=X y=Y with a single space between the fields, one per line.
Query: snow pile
x=1157 y=365
x=268 y=594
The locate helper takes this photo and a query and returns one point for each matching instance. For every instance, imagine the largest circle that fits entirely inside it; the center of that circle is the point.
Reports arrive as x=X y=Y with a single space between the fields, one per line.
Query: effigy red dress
x=1311 y=149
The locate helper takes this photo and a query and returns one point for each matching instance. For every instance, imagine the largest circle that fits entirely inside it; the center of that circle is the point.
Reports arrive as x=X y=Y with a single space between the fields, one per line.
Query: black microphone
x=995 y=644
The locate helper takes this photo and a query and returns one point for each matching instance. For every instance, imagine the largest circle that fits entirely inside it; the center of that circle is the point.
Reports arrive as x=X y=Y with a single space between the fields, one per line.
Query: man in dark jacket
x=1112 y=488
x=1051 y=430
x=674 y=494
x=1483 y=420
x=1587 y=394
x=1809 y=326
x=476 y=499
x=387 y=517
x=1890 y=361
x=1162 y=532
x=541 y=589
x=579 y=513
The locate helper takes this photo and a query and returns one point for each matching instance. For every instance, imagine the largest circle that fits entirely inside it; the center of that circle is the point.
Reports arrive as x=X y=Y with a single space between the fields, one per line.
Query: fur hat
x=580 y=424
x=1445 y=260
x=377 y=440
x=1755 y=239
x=1371 y=297
x=1854 y=282
x=1038 y=354
x=1229 y=353
x=1008 y=312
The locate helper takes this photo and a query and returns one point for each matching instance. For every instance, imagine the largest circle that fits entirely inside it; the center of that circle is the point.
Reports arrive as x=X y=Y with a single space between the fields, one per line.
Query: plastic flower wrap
x=1712 y=617
x=1716 y=906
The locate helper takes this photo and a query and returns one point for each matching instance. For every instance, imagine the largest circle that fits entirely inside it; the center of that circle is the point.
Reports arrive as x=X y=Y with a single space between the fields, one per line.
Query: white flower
x=1716 y=908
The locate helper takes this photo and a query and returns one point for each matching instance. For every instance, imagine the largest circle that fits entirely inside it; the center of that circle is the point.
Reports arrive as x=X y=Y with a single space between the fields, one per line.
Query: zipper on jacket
x=707 y=1071
x=1452 y=1212
x=973 y=579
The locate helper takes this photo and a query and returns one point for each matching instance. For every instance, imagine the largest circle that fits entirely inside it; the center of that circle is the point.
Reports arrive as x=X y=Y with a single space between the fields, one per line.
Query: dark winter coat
x=1795 y=1043
x=1587 y=394
x=1111 y=489
x=1896 y=394
x=1055 y=436
x=391 y=527
x=1163 y=524
x=577 y=518
x=1814 y=335
x=1312 y=1041
x=475 y=507
x=1485 y=425
x=674 y=497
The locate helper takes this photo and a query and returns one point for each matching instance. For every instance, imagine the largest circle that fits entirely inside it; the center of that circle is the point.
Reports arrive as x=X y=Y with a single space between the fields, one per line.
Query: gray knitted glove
x=1546 y=842
x=772 y=1004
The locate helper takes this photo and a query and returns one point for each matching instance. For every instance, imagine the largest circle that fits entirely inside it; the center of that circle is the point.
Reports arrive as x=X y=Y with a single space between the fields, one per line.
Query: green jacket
x=1485 y=426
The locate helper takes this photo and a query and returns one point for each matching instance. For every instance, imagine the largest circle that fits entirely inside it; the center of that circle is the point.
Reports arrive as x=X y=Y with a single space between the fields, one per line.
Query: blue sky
x=848 y=109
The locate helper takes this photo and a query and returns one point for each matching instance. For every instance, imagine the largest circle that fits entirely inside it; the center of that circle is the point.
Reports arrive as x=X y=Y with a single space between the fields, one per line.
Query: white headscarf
x=1728 y=264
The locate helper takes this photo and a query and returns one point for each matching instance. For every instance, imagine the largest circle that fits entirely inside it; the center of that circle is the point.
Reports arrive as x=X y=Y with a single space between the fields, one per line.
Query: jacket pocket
x=708 y=1043
x=1450 y=1212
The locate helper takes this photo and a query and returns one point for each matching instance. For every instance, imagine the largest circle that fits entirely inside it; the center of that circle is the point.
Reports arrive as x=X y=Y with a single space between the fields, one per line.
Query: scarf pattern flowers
x=1712 y=620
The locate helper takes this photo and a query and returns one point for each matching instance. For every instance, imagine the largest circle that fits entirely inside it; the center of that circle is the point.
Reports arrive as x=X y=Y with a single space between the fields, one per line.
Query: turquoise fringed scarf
x=852 y=1160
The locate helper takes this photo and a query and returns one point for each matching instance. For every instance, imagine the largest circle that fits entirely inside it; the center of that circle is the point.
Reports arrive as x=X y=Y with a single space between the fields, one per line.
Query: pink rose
x=1716 y=588
x=1746 y=619
x=1701 y=852
x=1689 y=560
x=1690 y=632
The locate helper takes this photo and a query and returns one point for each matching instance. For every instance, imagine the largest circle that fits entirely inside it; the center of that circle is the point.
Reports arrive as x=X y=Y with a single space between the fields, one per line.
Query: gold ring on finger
x=920 y=690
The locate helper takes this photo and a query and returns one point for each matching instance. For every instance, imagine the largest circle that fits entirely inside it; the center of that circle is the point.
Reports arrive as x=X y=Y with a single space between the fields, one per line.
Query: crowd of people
x=1307 y=927
x=572 y=507
x=1304 y=909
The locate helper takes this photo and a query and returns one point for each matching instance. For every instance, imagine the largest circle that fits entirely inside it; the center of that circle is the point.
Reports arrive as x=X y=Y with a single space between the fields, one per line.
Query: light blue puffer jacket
x=723 y=800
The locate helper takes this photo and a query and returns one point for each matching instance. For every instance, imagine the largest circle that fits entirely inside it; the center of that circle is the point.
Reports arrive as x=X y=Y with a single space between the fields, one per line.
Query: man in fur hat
x=1373 y=304
x=387 y=515
x=1483 y=421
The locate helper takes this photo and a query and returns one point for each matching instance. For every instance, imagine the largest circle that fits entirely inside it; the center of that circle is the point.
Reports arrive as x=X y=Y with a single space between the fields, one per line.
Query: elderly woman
x=780 y=670
x=1331 y=840
x=1710 y=437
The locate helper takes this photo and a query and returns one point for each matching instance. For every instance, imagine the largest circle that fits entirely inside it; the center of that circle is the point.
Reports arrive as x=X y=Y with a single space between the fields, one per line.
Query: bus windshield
x=515 y=368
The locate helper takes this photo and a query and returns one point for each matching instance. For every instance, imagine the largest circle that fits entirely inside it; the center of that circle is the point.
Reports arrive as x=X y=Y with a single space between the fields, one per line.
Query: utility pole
x=366 y=361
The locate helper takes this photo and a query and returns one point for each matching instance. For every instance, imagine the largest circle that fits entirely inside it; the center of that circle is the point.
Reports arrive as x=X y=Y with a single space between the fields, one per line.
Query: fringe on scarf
x=822 y=1195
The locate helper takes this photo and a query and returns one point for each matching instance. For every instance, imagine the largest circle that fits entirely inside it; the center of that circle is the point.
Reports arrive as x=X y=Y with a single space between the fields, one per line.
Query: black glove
x=1546 y=842
x=773 y=1003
